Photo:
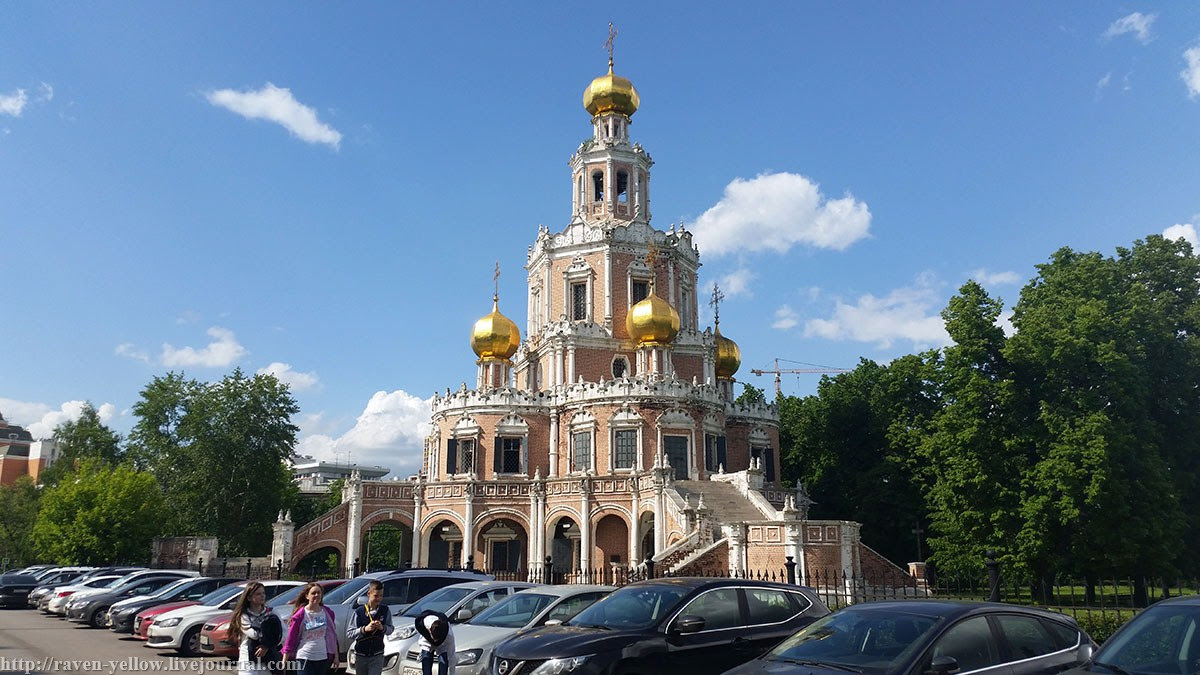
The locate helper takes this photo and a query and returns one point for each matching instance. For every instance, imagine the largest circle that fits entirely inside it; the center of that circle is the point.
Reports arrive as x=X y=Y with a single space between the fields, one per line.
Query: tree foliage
x=19 y=504
x=81 y=439
x=220 y=451
x=97 y=514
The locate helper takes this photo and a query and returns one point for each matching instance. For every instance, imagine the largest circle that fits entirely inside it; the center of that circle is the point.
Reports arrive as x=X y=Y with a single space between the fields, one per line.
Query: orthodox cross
x=608 y=44
x=717 y=297
x=496 y=282
x=651 y=258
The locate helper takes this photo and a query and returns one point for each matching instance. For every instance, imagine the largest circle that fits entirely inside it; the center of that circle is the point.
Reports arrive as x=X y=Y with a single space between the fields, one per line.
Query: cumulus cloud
x=785 y=318
x=130 y=351
x=987 y=278
x=40 y=419
x=1137 y=24
x=1191 y=74
x=774 y=212
x=295 y=379
x=737 y=283
x=1187 y=232
x=223 y=351
x=13 y=104
x=390 y=432
x=1004 y=321
x=910 y=313
x=276 y=104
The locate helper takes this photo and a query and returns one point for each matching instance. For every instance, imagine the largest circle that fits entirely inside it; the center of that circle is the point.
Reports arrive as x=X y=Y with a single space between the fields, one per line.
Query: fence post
x=247 y=568
x=548 y=571
x=279 y=569
x=200 y=566
x=993 y=570
x=354 y=568
x=791 y=570
x=471 y=563
x=649 y=567
x=224 y=566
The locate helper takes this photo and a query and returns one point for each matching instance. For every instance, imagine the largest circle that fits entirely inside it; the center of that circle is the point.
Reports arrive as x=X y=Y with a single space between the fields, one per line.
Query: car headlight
x=402 y=634
x=468 y=657
x=168 y=623
x=391 y=661
x=556 y=666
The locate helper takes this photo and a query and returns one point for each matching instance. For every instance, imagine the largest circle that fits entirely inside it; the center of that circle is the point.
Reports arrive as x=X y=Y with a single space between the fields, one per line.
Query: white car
x=179 y=629
x=475 y=640
x=459 y=602
x=55 y=602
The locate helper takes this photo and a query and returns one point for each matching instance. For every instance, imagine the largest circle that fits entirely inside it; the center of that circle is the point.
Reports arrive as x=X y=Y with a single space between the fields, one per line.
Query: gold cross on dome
x=608 y=44
x=496 y=280
x=717 y=297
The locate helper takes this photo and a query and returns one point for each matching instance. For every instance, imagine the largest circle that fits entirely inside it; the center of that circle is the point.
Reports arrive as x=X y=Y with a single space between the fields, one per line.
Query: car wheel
x=190 y=644
x=99 y=618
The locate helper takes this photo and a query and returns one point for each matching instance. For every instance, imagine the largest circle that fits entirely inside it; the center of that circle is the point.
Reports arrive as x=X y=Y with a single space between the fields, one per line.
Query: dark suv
x=685 y=625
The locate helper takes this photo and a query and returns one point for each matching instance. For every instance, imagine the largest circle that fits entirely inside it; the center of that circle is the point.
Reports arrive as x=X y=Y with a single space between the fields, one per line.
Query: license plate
x=412 y=671
x=205 y=641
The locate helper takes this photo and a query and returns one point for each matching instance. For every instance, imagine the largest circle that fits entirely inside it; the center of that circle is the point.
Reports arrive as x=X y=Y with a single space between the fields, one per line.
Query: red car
x=214 y=636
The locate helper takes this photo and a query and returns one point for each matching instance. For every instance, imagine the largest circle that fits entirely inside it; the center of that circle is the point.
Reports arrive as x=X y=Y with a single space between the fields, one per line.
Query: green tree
x=305 y=509
x=98 y=514
x=19 y=504
x=221 y=452
x=81 y=439
x=751 y=394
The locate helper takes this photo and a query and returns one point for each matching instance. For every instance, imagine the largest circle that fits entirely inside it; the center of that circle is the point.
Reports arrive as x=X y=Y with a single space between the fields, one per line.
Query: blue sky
x=321 y=190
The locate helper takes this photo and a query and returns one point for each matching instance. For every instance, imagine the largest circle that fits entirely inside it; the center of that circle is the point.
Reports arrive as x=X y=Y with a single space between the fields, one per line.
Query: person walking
x=436 y=644
x=311 y=637
x=366 y=628
x=256 y=630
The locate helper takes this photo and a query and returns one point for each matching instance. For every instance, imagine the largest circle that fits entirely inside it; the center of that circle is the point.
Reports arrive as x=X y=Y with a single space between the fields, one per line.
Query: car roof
x=1179 y=600
x=954 y=608
x=424 y=572
x=489 y=583
x=564 y=590
x=715 y=582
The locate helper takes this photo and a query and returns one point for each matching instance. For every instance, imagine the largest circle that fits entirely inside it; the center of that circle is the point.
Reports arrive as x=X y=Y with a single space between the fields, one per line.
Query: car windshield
x=171 y=588
x=221 y=595
x=438 y=601
x=868 y=641
x=515 y=611
x=346 y=591
x=1162 y=639
x=632 y=607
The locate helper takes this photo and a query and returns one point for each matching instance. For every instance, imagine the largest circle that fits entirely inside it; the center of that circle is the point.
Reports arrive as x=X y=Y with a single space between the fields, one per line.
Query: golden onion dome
x=729 y=356
x=495 y=336
x=652 y=322
x=610 y=93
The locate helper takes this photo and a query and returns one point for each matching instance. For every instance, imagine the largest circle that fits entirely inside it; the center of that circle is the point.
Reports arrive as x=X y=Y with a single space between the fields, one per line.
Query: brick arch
x=610 y=538
x=611 y=509
x=493 y=514
x=301 y=554
x=387 y=515
x=327 y=531
x=442 y=514
x=557 y=513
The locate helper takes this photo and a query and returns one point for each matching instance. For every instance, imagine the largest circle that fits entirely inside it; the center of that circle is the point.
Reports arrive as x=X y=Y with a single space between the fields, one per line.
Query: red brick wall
x=714 y=562
x=612 y=538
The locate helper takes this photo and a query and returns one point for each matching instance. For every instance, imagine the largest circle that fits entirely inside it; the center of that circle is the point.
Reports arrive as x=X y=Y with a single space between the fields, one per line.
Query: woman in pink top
x=311 y=638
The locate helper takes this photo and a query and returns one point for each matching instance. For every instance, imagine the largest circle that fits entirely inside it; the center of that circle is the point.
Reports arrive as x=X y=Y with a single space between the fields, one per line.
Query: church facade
x=607 y=431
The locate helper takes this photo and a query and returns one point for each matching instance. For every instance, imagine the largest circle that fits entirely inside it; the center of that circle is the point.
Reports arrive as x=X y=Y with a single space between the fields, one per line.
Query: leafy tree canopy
x=86 y=437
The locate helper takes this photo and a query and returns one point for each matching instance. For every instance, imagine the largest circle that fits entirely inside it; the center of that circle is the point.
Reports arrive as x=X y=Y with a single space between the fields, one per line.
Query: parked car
x=55 y=602
x=401 y=588
x=214 y=636
x=121 y=614
x=916 y=637
x=146 y=617
x=60 y=577
x=79 y=595
x=1162 y=640
x=679 y=625
x=15 y=589
x=31 y=569
x=92 y=607
x=475 y=640
x=179 y=629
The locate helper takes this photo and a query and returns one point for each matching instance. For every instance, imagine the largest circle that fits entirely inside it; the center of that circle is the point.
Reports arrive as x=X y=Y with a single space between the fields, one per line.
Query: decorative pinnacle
x=608 y=44
x=717 y=297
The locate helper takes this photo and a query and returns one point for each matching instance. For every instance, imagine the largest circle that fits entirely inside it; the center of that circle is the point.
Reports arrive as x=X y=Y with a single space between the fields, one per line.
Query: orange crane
x=813 y=368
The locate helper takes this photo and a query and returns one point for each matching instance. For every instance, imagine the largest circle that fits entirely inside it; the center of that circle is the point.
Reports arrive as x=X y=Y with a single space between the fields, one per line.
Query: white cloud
x=1103 y=84
x=785 y=318
x=1004 y=321
x=13 y=104
x=1136 y=24
x=737 y=283
x=295 y=379
x=987 y=278
x=130 y=351
x=40 y=419
x=390 y=432
x=910 y=313
x=1187 y=232
x=46 y=93
x=217 y=354
x=1191 y=74
x=276 y=104
x=774 y=212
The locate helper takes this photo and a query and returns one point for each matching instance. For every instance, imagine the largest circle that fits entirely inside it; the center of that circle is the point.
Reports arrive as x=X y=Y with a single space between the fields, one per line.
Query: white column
x=468 y=544
x=637 y=189
x=585 y=531
x=571 y=364
x=354 y=524
x=554 y=445
x=418 y=503
x=608 y=310
x=610 y=188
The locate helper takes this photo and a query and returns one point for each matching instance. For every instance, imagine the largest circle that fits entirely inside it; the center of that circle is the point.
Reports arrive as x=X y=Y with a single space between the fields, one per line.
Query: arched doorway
x=646 y=535
x=505 y=547
x=611 y=548
x=445 y=545
x=324 y=562
x=564 y=546
x=387 y=545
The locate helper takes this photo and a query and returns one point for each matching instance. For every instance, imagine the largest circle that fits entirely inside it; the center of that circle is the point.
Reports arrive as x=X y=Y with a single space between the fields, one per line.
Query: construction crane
x=813 y=368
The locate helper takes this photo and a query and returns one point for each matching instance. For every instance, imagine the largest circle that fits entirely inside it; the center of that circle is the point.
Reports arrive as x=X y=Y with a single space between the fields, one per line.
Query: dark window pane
x=578 y=302
x=641 y=289
x=718 y=608
x=581 y=455
x=1026 y=635
x=510 y=449
x=677 y=450
x=970 y=643
x=768 y=606
x=626 y=448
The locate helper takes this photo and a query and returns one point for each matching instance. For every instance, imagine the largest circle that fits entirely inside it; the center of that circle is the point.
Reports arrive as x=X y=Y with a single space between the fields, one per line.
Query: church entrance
x=445 y=546
x=504 y=544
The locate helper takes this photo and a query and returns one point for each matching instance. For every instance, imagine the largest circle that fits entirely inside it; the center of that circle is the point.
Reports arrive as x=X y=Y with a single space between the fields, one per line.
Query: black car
x=15 y=589
x=919 y=637
x=1164 y=639
x=121 y=614
x=684 y=625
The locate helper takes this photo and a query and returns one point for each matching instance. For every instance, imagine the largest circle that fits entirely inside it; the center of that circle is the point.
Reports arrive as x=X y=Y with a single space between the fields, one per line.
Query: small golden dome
x=652 y=322
x=495 y=337
x=729 y=356
x=611 y=93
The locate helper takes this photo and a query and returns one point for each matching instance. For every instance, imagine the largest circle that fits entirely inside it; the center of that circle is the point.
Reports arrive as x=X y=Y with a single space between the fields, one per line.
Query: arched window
x=623 y=187
x=598 y=186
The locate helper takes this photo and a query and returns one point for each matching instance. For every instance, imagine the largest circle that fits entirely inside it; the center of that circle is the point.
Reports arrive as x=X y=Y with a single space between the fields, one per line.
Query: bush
x=1101 y=624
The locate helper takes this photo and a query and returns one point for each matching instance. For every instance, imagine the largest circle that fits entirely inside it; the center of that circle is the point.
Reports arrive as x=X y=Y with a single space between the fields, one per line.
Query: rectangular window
x=685 y=309
x=451 y=456
x=710 y=452
x=578 y=302
x=466 y=455
x=766 y=457
x=639 y=291
x=676 y=448
x=625 y=448
x=509 y=455
x=581 y=451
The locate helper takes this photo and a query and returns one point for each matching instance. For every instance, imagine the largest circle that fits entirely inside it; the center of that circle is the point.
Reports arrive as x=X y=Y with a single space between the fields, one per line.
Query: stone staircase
x=724 y=501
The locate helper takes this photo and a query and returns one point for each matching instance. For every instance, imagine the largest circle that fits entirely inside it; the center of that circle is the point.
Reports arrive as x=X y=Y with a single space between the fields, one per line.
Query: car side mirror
x=463 y=615
x=688 y=624
x=1086 y=651
x=362 y=601
x=553 y=622
x=943 y=665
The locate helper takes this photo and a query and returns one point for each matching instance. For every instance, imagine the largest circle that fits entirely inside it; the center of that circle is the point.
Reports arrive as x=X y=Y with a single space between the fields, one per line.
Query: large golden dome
x=729 y=356
x=652 y=322
x=610 y=93
x=495 y=336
